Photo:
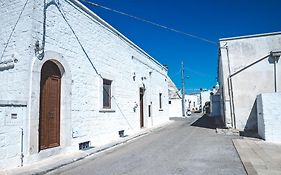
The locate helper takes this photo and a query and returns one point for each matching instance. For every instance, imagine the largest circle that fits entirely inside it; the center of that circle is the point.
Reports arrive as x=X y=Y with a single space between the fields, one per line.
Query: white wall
x=193 y=100
x=113 y=56
x=269 y=121
x=175 y=108
x=235 y=54
x=14 y=80
x=205 y=97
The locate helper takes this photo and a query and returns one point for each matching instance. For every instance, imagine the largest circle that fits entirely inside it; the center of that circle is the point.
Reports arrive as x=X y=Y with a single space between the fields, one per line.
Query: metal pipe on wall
x=21 y=149
x=230 y=90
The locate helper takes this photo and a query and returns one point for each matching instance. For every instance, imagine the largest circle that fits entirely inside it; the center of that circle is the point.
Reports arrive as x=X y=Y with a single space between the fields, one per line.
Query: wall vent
x=84 y=145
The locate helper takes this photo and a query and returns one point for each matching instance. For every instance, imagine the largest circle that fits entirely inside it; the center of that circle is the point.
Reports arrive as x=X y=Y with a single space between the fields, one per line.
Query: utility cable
x=149 y=22
x=13 y=30
x=83 y=49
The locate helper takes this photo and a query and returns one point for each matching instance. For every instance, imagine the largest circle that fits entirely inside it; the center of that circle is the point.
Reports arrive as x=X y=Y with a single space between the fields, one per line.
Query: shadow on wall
x=252 y=122
x=251 y=128
x=208 y=122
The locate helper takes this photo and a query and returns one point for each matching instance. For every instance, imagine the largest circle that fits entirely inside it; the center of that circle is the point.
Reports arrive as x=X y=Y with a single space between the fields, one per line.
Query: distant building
x=175 y=101
x=69 y=80
x=192 y=102
x=247 y=68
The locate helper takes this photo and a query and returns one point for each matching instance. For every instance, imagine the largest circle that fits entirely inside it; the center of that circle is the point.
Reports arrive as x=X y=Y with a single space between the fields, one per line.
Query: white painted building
x=247 y=68
x=175 y=101
x=69 y=79
x=205 y=97
x=192 y=102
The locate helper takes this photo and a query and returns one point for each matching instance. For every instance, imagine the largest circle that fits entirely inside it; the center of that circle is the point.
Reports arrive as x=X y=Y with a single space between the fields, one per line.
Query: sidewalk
x=258 y=156
x=54 y=162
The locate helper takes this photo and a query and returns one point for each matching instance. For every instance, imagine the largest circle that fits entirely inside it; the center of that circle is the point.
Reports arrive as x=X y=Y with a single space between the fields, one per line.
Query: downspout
x=275 y=56
x=275 y=77
x=230 y=91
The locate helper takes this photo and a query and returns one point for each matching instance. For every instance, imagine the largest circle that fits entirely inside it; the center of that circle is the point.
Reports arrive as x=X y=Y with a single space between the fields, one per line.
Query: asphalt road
x=176 y=149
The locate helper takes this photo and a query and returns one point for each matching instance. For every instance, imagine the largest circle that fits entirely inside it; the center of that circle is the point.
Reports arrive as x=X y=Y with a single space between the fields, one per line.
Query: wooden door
x=49 y=121
x=141 y=107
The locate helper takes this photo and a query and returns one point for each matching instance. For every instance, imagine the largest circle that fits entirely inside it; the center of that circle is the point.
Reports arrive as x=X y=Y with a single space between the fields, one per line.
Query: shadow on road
x=207 y=122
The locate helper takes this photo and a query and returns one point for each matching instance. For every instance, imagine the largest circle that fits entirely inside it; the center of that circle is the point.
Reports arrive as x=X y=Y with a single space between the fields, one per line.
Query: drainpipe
x=275 y=56
x=275 y=77
x=230 y=89
x=21 y=149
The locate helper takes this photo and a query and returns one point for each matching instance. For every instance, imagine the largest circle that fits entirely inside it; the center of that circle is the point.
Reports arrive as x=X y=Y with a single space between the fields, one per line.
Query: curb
x=248 y=167
x=31 y=170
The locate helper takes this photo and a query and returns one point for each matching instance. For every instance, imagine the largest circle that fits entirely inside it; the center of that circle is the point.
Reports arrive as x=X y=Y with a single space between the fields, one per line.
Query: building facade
x=192 y=102
x=175 y=100
x=247 y=67
x=70 y=80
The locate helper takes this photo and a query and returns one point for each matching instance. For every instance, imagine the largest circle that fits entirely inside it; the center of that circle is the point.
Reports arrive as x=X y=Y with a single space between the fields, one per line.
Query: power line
x=96 y=71
x=149 y=22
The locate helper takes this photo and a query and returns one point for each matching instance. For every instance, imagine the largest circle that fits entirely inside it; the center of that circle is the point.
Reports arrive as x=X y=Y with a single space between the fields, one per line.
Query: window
x=160 y=100
x=170 y=102
x=149 y=110
x=106 y=94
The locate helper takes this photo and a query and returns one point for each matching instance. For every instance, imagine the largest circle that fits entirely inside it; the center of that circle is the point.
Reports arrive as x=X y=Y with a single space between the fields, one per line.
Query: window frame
x=106 y=82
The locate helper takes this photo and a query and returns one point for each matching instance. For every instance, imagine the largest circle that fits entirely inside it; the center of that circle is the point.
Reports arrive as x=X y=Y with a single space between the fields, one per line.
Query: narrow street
x=179 y=148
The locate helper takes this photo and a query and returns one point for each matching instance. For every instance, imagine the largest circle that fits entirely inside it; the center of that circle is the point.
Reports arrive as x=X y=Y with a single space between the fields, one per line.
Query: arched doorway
x=50 y=92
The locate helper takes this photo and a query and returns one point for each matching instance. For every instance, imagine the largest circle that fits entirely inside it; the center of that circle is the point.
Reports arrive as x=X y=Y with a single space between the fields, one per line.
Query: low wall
x=269 y=116
x=175 y=108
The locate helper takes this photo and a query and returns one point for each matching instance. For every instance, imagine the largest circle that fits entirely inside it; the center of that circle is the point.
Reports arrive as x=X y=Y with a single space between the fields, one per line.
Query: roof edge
x=103 y=22
x=250 y=36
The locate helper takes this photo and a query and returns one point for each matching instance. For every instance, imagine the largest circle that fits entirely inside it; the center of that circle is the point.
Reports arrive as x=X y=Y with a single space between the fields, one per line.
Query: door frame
x=141 y=96
x=32 y=124
x=44 y=110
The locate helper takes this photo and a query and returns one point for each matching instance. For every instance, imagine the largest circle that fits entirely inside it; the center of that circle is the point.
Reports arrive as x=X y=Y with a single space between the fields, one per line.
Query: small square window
x=106 y=94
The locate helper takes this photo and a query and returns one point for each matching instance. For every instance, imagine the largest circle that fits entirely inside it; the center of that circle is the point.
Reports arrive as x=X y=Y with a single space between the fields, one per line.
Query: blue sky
x=210 y=19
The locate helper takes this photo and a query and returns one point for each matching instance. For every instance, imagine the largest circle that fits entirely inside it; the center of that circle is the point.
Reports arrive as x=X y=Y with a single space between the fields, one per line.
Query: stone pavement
x=258 y=156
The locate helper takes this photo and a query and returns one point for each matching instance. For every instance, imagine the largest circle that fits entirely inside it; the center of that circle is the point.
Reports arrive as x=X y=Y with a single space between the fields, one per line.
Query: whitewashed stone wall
x=175 y=108
x=238 y=93
x=269 y=120
x=82 y=117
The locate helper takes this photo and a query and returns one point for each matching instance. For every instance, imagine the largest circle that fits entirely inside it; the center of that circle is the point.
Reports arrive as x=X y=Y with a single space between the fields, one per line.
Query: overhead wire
x=149 y=22
x=13 y=30
x=157 y=25
x=86 y=54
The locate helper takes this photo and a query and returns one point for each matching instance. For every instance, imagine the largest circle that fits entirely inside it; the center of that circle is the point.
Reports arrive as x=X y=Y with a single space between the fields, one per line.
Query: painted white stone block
x=269 y=120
